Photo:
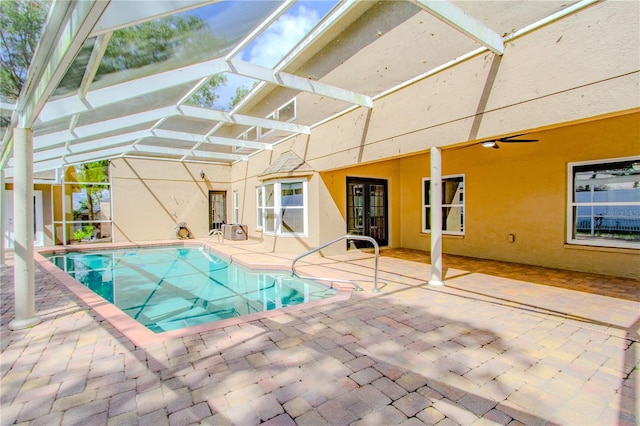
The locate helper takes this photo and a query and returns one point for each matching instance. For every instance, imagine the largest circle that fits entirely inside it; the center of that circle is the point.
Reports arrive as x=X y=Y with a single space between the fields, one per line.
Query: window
x=288 y=111
x=452 y=205
x=269 y=209
x=85 y=200
x=604 y=203
x=282 y=207
x=236 y=209
x=260 y=207
x=292 y=207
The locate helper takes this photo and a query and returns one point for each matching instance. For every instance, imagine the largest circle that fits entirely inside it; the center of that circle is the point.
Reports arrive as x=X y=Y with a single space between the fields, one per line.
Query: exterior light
x=202 y=173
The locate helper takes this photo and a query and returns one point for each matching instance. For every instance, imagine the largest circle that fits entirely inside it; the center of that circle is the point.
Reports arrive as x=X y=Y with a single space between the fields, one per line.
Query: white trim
x=236 y=207
x=277 y=208
x=302 y=84
x=463 y=208
x=570 y=205
x=259 y=207
x=452 y=15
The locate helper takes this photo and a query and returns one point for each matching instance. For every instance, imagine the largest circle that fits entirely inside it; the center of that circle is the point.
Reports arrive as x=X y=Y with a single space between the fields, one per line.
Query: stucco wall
x=150 y=197
x=547 y=79
x=522 y=190
x=572 y=84
x=519 y=189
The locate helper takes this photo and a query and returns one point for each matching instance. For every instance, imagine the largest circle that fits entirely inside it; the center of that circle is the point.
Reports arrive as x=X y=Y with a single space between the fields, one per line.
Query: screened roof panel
x=88 y=136
x=108 y=104
x=150 y=155
x=213 y=160
x=212 y=148
x=169 y=143
x=188 y=125
x=162 y=75
x=166 y=43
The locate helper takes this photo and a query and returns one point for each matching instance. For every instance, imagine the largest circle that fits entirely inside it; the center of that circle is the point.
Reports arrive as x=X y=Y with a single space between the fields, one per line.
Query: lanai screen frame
x=71 y=23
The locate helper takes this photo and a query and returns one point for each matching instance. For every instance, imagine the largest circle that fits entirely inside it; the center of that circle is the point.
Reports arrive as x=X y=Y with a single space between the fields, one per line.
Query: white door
x=38 y=235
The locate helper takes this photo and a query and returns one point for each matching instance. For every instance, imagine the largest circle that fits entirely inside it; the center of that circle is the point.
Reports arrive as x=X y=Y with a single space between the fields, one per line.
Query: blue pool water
x=170 y=288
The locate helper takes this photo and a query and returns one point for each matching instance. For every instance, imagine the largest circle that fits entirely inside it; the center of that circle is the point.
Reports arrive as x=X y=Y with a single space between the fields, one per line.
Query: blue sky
x=277 y=41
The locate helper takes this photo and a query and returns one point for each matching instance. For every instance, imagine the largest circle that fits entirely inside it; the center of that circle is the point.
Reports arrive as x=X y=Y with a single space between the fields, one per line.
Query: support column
x=3 y=218
x=435 y=202
x=23 y=274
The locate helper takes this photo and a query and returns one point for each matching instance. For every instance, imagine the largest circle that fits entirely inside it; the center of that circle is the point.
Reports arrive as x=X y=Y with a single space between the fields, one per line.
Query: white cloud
x=268 y=49
x=278 y=39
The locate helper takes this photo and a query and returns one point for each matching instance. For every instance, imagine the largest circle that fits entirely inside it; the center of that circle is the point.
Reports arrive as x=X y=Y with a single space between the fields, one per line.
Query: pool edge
x=138 y=334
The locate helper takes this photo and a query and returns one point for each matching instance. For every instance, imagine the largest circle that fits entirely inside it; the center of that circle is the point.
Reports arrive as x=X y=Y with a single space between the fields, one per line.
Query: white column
x=3 y=218
x=23 y=274
x=435 y=202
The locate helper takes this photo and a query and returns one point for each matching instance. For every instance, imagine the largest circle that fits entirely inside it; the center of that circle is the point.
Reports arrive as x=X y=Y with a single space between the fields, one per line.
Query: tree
x=207 y=95
x=241 y=92
x=89 y=176
x=168 y=41
x=20 y=26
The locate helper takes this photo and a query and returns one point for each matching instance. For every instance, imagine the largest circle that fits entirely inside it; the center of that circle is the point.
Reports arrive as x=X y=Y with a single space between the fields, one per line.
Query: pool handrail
x=210 y=235
x=344 y=237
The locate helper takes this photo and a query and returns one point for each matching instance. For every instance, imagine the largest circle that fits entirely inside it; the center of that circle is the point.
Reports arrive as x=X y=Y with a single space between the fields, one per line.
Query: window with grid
x=604 y=203
x=452 y=205
x=282 y=207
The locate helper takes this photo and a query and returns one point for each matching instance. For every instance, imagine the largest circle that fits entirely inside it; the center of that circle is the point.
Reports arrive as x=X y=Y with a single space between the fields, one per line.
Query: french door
x=217 y=209
x=367 y=210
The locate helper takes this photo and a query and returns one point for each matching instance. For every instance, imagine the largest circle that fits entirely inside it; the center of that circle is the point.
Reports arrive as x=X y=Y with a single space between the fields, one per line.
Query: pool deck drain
x=499 y=344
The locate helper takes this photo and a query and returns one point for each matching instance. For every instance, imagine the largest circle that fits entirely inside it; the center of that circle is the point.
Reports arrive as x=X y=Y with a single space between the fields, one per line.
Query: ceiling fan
x=493 y=143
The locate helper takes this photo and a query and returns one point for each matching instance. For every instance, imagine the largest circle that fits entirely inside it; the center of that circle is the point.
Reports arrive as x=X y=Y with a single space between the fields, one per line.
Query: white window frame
x=294 y=107
x=571 y=205
x=426 y=204
x=260 y=214
x=262 y=208
x=236 y=208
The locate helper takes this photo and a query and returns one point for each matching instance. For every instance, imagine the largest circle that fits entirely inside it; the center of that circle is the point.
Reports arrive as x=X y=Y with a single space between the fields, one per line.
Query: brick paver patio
x=500 y=344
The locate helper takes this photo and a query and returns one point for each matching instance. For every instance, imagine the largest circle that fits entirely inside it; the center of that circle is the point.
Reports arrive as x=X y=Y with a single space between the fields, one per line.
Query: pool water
x=170 y=288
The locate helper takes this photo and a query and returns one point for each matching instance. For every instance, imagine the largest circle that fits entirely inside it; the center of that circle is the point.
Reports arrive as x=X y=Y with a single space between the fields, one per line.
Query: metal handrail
x=344 y=237
x=213 y=232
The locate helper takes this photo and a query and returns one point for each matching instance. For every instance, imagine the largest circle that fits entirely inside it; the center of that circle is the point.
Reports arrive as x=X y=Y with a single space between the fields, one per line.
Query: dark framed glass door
x=217 y=209
x=367 y=212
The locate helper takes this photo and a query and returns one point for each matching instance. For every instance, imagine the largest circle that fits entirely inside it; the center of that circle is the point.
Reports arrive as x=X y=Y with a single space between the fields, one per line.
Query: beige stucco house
x=566 y=82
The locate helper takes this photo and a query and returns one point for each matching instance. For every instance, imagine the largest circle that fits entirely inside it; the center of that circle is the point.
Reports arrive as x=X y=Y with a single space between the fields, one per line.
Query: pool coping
x=138 y=334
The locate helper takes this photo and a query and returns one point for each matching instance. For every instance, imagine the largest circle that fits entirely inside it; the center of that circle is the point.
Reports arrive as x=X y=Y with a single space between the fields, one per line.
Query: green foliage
x=241 y=92
x=20 y=26
x=94 y=172
x=176 y=39
x=149 y=42
x=89 y=176
x=85 y=232
x=206 y=96
x=170 y=40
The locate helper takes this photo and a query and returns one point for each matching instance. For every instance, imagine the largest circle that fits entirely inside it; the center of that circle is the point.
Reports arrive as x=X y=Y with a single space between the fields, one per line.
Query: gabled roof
x=356 y=52
x=287 y=164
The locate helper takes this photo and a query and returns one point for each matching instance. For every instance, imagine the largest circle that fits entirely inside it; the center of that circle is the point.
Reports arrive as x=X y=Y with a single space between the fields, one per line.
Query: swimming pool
x=170 y=288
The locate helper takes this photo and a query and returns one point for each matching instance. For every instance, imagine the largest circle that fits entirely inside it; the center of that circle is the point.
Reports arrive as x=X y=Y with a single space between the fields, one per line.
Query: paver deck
x=499 y=344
